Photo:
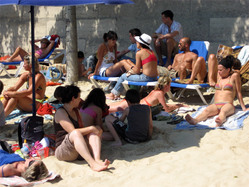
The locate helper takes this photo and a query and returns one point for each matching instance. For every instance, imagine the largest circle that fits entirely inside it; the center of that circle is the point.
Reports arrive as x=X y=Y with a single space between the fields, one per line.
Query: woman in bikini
x=40 y=52
x=155 y=97
x=93 y=107
x=73 y=138
x=107 y=65
x=145 y=69
x=228 y=85
x=22 y=99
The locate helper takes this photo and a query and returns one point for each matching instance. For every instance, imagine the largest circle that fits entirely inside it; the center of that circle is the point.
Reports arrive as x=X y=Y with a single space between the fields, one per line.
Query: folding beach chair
x=201 y=49
x=3 y=66
x=53 y=54
x=95 y=78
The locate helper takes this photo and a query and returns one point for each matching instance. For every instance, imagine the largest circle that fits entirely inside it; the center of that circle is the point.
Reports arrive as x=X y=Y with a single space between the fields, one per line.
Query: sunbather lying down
x=155 y=97
x=40 y=52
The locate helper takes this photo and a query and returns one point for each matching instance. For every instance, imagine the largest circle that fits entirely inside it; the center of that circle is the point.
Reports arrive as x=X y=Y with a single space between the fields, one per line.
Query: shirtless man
x=187 y=63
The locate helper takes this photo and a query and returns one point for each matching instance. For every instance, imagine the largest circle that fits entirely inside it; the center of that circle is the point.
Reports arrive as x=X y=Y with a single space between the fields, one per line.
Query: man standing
x=167 y=36
x=188 y=63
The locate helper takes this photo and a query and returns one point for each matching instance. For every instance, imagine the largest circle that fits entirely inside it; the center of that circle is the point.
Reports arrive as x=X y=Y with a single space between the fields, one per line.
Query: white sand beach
x=174 y=158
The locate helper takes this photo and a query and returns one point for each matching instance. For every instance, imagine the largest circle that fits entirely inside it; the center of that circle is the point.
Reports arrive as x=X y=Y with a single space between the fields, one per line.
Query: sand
x=172 y=158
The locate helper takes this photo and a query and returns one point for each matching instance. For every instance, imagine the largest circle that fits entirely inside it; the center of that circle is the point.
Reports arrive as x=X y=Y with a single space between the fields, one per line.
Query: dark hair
x=45 y=40
x=97 y=97
x=236 y=64
x=229 y=62
x=135 y=32
x=81 y=54
x=111 y=35
x=1 y=86
x=66 y=93
x=144 y=46
x=132 y=96
x=168 y=13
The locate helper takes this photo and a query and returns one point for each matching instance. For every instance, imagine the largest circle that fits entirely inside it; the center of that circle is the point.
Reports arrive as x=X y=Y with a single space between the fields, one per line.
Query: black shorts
x=120 y=128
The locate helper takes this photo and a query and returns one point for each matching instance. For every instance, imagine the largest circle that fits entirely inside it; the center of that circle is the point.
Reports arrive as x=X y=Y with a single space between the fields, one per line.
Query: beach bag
x=53 y=74
x=31 y=129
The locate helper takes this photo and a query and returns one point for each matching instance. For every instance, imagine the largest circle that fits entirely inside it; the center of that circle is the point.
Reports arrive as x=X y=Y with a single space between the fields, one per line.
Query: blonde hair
x=37 y=171
x=162 y=81
x=29 y=60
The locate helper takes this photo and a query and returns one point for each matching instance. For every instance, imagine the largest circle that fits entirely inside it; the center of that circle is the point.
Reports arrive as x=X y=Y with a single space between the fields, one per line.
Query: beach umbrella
x=33 y=3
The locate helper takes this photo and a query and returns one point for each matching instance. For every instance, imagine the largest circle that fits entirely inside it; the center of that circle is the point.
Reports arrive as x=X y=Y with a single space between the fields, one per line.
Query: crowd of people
x=79 y=126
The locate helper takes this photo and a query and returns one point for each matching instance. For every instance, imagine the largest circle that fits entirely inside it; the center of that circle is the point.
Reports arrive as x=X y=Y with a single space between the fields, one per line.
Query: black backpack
x=31 y=129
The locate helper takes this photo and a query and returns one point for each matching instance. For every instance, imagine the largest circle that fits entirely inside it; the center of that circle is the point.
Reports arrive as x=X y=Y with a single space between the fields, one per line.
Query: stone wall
x=217 y=21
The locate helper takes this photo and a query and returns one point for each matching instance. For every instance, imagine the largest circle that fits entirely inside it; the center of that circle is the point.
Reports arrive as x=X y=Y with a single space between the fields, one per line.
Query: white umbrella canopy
x=33 y=3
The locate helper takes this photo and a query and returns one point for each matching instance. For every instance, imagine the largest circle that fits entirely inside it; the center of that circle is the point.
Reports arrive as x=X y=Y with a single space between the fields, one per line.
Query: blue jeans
x=135 y=78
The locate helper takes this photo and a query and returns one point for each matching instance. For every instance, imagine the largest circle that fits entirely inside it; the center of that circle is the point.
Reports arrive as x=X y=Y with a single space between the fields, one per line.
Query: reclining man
x=188 y=63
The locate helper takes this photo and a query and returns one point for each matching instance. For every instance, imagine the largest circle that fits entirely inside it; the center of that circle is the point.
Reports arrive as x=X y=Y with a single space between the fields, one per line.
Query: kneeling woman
x=72 y=138
x=228 y=85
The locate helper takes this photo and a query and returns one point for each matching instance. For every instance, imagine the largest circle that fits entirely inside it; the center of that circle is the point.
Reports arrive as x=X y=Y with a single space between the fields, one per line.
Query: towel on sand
x=233 y=122
x=20 y=181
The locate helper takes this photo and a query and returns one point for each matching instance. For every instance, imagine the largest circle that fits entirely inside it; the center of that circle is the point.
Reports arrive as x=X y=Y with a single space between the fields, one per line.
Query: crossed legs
x=119 y=68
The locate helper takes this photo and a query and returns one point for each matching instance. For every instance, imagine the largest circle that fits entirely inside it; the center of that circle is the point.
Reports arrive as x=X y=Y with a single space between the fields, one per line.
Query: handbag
x=31 y=129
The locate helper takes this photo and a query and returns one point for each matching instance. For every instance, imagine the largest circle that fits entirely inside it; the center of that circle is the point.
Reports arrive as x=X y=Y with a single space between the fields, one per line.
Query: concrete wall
x=217 y=21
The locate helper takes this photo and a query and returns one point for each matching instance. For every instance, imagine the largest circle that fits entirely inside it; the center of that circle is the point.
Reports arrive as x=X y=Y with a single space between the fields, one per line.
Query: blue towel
x=233 y=122
x=18 y=115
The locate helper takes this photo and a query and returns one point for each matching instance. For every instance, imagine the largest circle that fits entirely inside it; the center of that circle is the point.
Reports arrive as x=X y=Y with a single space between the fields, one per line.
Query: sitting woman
x=14 y=165
x=72 y=138
x=22 y=99
x=146 y=63
x=228 y=85
x=155 y=97
x=107 y=65
x=93 y=108
x=40 y=52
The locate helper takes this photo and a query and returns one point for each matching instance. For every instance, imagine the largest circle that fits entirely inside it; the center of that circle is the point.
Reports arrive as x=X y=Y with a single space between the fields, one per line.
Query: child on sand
x=139 y=127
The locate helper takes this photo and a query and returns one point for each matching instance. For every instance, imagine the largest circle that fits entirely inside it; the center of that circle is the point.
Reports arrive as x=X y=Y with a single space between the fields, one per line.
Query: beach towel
x=18 y=115
x=20 y=181
x=233 y=122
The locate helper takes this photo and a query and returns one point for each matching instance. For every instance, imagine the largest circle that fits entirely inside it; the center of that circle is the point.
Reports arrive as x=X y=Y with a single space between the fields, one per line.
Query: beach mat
x=233 y=122
x=20 y=181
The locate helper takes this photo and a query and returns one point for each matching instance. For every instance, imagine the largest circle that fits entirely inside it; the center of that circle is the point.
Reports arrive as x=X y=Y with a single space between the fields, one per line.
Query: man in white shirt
x=167 y=37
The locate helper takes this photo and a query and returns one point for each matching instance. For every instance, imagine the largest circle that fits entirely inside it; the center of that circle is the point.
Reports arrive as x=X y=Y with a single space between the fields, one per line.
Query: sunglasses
x=31 y=162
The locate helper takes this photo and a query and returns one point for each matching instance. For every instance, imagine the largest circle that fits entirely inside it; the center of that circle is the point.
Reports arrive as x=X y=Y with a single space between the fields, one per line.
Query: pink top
x=89 y=111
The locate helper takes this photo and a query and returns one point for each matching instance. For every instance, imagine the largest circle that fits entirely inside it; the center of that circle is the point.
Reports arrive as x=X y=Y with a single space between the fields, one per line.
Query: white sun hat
x=144 y=39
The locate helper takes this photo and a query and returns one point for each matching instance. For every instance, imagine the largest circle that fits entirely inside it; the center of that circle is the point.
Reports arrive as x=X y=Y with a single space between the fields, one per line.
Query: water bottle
x=25 y=149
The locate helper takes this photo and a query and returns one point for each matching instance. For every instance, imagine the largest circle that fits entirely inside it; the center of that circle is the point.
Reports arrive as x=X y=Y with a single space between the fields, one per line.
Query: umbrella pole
x=33 y=58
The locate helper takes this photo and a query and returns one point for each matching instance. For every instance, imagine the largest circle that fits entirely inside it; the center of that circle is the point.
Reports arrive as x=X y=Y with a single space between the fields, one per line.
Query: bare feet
x=212 y=84
x=98 y=167
x=191 y=120
x=105 y=163
x=111 y=96
x=7 y=60
x=190 y=82
x=219 y=122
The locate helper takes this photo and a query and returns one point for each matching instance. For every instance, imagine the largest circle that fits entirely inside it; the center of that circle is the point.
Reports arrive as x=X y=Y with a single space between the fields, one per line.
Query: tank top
x=60 y=133
x=138 y=123
x=107 y=61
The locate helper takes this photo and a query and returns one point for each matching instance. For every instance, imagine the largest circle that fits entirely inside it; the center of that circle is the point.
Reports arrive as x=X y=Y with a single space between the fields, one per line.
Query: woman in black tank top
x=72 y=138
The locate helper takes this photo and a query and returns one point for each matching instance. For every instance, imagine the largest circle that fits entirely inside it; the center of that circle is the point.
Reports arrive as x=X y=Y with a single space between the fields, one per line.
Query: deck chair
x=53 y=54
x=201 y=49
x=3 y=66
x=143 y=84
x=95 y=78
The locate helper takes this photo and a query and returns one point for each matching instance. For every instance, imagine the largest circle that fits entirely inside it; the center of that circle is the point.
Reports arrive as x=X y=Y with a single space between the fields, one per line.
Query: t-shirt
x=7 y=158
x=138 y=123
x=2 y=116
x=164 y=29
